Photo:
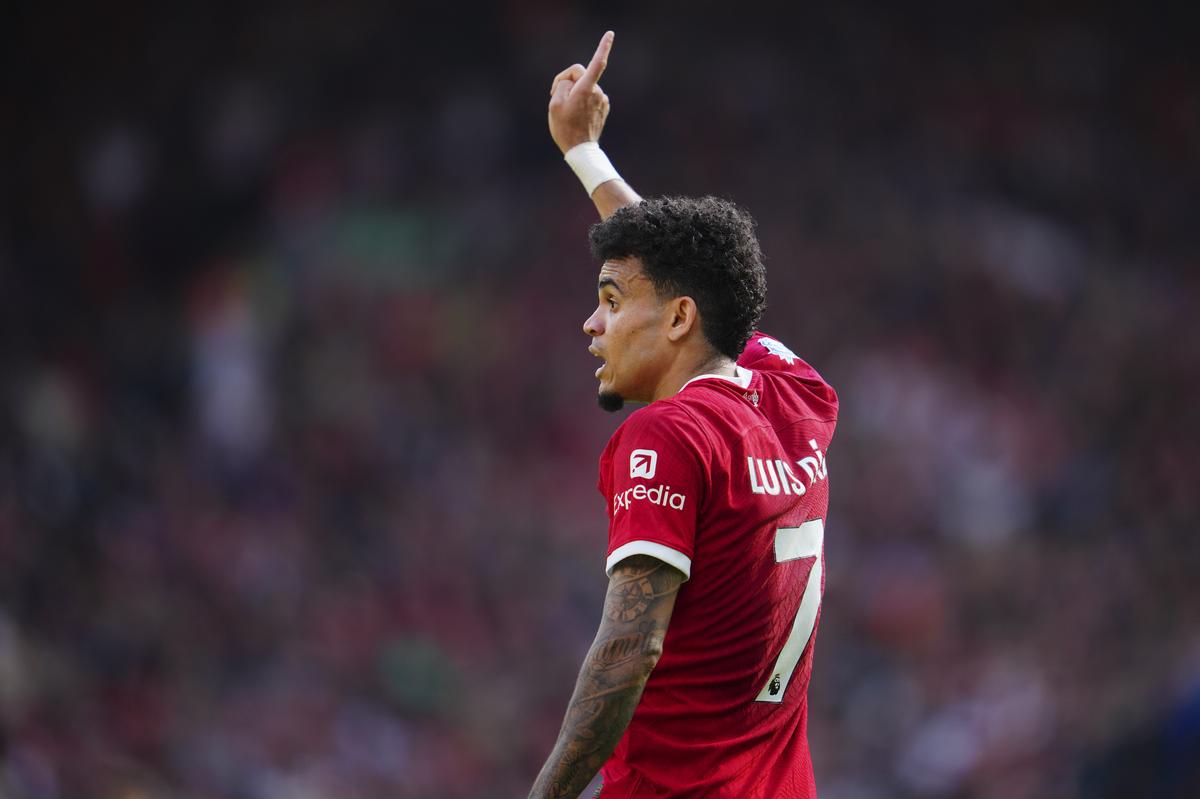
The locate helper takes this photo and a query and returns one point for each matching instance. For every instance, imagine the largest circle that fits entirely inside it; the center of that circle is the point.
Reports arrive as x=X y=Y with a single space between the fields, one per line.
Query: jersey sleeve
x=654 y=475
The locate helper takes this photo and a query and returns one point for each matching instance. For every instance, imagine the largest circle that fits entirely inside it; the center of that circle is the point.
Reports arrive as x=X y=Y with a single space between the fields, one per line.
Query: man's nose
x=592 y=325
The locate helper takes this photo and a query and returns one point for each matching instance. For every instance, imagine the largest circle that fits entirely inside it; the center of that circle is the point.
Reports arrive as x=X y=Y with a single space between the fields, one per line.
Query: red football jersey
x=727 y=482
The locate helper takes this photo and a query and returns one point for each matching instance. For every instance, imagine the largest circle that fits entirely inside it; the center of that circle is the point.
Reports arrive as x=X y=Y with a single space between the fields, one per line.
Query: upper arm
x=637 y=609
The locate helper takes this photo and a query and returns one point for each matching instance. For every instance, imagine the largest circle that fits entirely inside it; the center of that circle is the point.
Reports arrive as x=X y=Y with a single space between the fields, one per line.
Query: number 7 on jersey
x=793 y=543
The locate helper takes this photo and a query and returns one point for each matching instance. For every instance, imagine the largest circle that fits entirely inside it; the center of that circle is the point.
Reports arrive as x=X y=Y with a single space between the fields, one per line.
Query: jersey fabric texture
x=716 y=481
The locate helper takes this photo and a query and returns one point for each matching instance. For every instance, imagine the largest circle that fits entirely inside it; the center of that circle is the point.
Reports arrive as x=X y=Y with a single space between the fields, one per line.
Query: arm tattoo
x=641 y=596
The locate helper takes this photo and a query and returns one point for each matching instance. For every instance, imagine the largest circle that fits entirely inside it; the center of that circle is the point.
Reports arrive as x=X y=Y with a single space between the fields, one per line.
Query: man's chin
x=610 y=401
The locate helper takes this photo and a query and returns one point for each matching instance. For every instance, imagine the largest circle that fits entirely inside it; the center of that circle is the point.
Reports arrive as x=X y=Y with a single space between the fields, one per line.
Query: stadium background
x=298 y=439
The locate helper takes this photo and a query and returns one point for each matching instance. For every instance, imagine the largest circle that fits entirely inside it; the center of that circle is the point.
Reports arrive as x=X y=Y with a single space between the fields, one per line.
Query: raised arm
x=641 y=596
x=578 y=110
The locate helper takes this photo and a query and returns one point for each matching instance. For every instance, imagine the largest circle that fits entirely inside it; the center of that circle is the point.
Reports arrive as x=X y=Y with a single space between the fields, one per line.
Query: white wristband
x=590 y=165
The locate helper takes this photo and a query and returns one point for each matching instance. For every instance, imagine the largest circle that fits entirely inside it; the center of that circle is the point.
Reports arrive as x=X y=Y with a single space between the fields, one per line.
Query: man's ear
x=684 y=315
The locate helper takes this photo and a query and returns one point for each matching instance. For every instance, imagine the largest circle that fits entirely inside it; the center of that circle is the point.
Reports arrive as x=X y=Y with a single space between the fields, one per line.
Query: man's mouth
x=603 y=363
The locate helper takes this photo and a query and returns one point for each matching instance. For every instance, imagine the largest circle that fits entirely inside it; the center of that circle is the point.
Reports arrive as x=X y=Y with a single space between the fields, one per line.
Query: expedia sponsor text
x=658 y=495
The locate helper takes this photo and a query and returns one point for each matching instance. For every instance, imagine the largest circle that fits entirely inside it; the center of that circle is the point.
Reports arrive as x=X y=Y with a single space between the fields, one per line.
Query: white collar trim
x=741 y=379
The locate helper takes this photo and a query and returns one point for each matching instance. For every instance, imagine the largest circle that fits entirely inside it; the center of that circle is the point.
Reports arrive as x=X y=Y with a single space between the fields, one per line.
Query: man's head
x=682 y=283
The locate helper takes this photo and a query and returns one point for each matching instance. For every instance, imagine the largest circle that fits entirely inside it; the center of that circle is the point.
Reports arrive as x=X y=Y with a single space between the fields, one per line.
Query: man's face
x=628 y=330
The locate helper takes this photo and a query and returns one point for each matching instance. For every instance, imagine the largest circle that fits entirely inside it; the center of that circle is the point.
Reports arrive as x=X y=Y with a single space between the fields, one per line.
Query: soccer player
x=696 y=684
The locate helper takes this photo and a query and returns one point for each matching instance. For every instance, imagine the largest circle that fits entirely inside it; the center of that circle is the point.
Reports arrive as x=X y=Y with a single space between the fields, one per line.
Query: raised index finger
x=595 y=67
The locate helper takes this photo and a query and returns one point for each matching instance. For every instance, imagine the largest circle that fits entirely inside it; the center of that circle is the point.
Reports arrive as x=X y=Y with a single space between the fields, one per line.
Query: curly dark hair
x=702 y=248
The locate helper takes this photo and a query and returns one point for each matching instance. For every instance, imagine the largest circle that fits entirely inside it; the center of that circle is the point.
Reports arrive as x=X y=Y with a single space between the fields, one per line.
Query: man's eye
x=612 y=304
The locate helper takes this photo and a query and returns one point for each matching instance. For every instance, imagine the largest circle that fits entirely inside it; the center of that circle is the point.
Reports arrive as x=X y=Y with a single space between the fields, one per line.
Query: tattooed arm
x=641 y=596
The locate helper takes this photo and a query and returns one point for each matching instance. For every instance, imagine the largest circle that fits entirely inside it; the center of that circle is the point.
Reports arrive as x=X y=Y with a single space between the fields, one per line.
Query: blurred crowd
x=298 y=437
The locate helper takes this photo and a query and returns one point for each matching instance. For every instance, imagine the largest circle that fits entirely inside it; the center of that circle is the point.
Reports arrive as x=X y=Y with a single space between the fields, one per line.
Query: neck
x=709 y=364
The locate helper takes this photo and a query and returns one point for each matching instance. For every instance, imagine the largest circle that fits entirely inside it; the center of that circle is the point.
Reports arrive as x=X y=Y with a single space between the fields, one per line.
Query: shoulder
x=766 y=353
x=666 y=425
x=673 y=417
x=769 y=355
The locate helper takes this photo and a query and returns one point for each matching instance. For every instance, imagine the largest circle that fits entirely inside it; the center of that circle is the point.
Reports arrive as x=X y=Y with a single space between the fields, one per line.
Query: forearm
x=637 y=608
x=614 y=195
x=608 y=190
x=606 y=694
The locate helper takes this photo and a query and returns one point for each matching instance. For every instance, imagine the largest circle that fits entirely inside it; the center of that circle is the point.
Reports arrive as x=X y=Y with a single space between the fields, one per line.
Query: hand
x=578 y=107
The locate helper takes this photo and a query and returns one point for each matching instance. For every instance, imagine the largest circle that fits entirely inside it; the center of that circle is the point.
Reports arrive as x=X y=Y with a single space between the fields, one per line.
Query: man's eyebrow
x=608 y=281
